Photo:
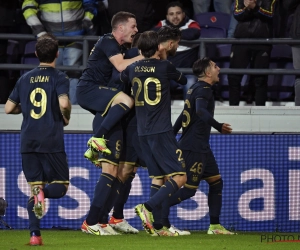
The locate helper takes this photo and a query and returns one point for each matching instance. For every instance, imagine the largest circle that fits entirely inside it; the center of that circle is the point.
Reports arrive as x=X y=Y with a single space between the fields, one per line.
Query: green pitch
x=73 y=240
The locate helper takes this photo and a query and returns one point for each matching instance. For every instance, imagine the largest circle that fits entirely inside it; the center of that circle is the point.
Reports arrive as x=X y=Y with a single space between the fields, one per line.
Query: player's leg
x=101 y=194
x=212 y=176
x=156 y=184
x=33 y=171
x=115 y=110
x=126 y=173
x=57 y=173
x=164 y=161
x=101 y=100
x=107 y=186
x=195 y=165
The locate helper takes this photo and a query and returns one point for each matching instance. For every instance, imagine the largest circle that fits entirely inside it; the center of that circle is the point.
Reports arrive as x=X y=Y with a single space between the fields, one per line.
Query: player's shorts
x=199 y=166
x=96 y=98
x=115 y=143
x=162 y=155
x=132 y=152
x=42 y=168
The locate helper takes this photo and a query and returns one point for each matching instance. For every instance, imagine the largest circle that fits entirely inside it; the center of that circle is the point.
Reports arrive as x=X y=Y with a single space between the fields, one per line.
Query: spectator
x=254 y=21
x=233 y=23
x=294 y=5
x=7 y=25
x=201 y=6
x=190 y=30
x=62 y=18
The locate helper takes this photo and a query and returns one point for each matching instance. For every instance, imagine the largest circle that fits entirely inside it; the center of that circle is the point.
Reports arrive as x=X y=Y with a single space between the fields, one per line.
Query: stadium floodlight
x=3 y=206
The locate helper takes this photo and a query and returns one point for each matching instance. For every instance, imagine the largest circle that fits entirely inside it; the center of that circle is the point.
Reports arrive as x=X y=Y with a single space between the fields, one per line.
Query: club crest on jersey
x=190 y=91
x=117 y=155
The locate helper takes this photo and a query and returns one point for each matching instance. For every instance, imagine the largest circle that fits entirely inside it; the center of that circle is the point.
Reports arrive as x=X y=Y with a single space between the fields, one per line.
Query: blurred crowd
x=246 y=19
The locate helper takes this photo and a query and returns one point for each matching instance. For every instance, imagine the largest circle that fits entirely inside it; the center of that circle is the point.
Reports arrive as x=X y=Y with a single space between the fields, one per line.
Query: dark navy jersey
x=150 y=80
x=195 y=131
x=99 y=68
x=37 y=91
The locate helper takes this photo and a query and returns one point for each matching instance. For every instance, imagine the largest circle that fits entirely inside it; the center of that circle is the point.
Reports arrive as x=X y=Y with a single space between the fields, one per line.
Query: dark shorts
x=96 y=98
x=42 y=168
x=132 y=152
x=115 y=143
x=162 y=155
x=199 y=166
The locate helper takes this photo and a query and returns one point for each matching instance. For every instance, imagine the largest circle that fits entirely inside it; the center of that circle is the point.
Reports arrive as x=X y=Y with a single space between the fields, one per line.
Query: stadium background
x=261 y=174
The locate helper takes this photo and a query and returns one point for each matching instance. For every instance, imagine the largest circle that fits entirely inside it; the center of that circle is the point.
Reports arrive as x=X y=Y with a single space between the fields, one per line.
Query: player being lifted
x=109 y=105
x=150 y=79
x=128 y=162
x=43 y=93
x=196 y=121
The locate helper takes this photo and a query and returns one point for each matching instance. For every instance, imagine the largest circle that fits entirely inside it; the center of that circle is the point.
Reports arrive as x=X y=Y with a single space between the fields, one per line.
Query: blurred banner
x=261 y=175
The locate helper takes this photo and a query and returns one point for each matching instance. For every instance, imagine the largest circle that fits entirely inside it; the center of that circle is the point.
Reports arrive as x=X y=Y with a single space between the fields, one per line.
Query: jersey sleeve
x=124 y=75
x=175 y=75
x=110 y=47
x=14 y=95
x=63 y=85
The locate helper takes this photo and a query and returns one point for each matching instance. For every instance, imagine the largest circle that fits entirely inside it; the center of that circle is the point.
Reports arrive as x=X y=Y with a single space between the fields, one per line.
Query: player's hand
x=226 y=128
x=162 y=53
x=250 y=4
x=66 y=121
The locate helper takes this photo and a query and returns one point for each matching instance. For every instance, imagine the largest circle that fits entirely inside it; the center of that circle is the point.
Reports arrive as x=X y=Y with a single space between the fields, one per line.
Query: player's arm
x=65 y=108
x=123 y=77
x=175 y=75
x=178 y=124
x=120 y=63
x=12 y=107
x=201 y=111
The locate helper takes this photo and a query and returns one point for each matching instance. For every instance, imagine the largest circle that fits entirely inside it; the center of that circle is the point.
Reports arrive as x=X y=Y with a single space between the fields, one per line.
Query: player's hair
x=46 y=48
x=174 y=4
x=148 y=43
x=121 y=17
x=200 y=66
x=166 y=33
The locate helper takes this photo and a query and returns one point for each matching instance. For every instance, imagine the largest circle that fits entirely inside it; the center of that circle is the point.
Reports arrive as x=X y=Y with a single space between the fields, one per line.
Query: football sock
x=114 y=115
x=181 y=195
x=92 y=217
x=157 y=210
x=55 y=191
x=214 y=220
x=101 y=194
x=166 y=190
x=118 y=212
x=34 y=223
x=98 y=119
x=114 y=194
x=215 y=199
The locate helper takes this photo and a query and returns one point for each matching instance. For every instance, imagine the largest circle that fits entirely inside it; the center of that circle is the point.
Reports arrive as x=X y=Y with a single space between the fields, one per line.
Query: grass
x=65 y=240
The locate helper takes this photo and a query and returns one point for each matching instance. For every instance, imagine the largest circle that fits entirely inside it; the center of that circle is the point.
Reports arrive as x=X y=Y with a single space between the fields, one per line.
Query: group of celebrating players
x=127 y=131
